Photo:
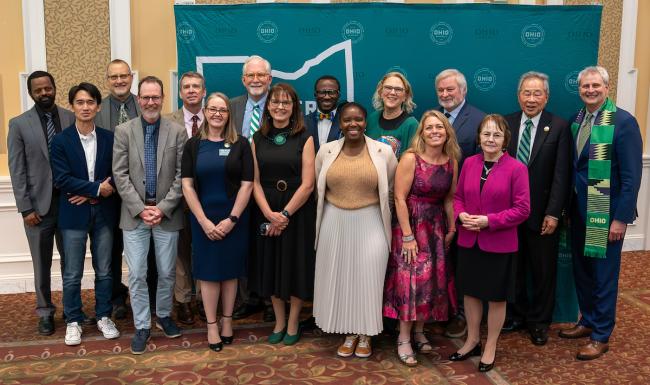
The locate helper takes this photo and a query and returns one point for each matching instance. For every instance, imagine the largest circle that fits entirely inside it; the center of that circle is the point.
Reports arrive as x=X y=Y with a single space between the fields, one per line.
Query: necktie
x=195 y=124
x=523 y=152
x=51 y=131
x=150 y=162
x=585 y=131
x=255 y=122
x=447 y=115
x=322 y=116
x=123 y=117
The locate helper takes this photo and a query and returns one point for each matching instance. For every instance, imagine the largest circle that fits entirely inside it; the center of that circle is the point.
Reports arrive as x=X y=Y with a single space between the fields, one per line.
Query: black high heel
x=227 y=340
x=485 y=367
x=476 y=351
x=219 y=345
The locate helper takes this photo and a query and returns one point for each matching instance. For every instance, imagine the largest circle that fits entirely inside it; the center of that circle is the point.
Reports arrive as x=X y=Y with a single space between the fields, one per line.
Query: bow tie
x=322 y=116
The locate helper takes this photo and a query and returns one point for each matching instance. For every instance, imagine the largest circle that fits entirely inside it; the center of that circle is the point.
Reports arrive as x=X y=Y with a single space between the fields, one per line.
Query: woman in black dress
x=282 y=265
x=217 y=178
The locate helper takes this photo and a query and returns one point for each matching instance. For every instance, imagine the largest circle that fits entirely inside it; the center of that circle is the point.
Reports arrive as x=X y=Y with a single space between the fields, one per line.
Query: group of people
x=373 y=216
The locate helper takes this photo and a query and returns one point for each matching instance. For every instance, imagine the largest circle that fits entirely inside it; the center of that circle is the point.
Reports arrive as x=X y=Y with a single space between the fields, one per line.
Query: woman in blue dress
x=217 y=178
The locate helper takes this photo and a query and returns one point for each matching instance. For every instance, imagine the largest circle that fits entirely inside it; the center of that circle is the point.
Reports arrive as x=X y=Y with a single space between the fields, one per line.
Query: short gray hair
x=534 y=75
x=256 y=57
x=595 y=69
x=460 y=78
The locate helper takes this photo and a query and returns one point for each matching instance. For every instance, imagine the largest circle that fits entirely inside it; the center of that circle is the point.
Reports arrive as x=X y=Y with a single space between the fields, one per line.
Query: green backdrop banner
x=358 y=43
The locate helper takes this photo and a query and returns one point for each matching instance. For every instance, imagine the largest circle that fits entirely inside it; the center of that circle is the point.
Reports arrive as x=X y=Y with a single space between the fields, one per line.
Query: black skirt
x=486 y=276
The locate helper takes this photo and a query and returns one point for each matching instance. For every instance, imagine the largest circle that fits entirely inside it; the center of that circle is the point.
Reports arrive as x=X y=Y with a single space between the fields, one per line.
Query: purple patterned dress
x=425 y=289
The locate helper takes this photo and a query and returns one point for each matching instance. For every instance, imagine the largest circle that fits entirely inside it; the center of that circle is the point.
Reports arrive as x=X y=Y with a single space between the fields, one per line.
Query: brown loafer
x=592 y=350
x=578 y=331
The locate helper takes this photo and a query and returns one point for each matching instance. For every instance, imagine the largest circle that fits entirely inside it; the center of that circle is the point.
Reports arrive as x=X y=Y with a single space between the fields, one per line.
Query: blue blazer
x=311 y=121
x=466 y=126
x=625 y=179
x=70 y=175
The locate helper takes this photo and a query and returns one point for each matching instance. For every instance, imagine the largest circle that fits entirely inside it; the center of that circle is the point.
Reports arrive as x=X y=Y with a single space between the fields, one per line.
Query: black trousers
x=536 y=275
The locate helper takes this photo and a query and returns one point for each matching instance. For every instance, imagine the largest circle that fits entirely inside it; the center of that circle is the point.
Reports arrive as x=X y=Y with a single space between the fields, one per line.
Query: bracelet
x=451 y=231
x=408 y=238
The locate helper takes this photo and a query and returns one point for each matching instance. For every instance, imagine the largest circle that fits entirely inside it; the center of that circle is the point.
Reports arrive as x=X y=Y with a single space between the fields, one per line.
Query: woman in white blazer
x=354 y=180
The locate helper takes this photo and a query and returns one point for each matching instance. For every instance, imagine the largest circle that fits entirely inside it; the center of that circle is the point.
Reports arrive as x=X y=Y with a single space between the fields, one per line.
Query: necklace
x=486 y=171
x=279 y=139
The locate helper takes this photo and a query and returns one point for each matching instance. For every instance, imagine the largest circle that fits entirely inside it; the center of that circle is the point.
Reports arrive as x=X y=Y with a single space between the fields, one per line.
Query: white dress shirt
x=533 y=129
x=324 y=127
x=187 y=118
x=454 y=113
x=89 y=144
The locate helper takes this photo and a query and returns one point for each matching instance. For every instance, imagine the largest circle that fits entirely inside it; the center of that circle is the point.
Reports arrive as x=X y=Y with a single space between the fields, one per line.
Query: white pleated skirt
x=351 y=259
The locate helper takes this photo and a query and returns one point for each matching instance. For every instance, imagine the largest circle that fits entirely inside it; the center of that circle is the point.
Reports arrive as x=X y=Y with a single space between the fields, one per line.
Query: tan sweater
x=352 y=182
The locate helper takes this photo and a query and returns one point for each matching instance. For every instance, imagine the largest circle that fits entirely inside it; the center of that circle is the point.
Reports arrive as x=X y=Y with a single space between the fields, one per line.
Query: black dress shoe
x=46 y=325
x=269 y=314
x=476 y=351
x=538 y=337
x=119 y=311
x=512 y=325
x=245 y=310
x=216 y=347
x=308 y=324
x=184 y=313
x=485 y=367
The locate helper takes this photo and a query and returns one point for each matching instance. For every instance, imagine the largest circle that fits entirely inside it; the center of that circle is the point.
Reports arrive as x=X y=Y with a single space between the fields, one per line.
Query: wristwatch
x=233 y=218
x=285 y=213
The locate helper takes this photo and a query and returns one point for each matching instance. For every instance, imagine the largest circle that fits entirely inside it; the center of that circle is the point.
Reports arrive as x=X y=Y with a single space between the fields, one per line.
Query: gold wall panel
x=77 y=40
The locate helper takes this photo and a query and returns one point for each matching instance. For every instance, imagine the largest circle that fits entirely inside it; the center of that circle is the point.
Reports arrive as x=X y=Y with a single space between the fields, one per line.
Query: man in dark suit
x=247 y=113
x=541 y=141
x=81 y=166
x=323 y=124
x=29 y=140
x=118 y=107
x=451 y=88
x=607 y=169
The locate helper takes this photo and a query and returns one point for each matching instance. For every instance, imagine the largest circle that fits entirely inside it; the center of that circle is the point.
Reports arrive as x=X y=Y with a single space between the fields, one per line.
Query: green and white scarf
x=598 y=178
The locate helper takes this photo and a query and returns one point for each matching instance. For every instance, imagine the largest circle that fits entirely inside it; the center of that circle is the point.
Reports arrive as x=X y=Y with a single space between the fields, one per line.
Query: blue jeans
x=136 y=248
x=74 y=244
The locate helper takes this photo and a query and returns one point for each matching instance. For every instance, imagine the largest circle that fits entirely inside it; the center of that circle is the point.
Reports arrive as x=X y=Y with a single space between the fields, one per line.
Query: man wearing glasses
x=247 y=113
x=322 y=124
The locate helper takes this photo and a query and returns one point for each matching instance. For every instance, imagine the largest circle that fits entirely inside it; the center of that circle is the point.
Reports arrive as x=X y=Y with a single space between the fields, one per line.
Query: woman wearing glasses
x=492 y=198
x=217 y=178
x=282 y=264
x=392 y=122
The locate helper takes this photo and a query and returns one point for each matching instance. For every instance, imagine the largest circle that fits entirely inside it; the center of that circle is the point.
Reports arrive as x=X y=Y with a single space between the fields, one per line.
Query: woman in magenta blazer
x=492 y=198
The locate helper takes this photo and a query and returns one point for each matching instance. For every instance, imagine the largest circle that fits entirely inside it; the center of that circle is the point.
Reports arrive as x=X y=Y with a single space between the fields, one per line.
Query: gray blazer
x=103 y=117
x=128 y=172
x=29 y=160
x=238 y=107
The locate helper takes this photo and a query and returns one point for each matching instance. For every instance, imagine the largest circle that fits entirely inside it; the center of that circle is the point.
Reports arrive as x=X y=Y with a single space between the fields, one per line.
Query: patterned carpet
x=31 y=359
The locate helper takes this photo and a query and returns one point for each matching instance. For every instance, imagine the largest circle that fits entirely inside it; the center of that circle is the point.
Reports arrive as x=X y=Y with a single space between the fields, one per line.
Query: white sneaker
x=73 y=334
x=107 y=327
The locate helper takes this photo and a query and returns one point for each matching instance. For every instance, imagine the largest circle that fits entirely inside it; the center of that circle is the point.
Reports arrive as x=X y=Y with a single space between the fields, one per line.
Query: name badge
x=224 y=151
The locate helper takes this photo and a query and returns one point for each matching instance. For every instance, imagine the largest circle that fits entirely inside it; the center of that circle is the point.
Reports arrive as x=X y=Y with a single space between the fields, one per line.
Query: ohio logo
x=185 y=32
x=441 y=33
x=571 y=82
x=352 y=30
x=267 y=32
x=532 y=35
x=484 y=79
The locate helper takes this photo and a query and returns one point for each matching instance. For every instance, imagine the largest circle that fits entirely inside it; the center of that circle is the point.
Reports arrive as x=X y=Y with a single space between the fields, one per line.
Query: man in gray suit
x=118 y=107
x=190 y=116
x=147 y=172
x=247 y=112
x=29 y=139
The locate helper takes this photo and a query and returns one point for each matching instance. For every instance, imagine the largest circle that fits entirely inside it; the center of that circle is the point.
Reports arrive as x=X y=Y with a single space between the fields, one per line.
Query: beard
x=45 y=102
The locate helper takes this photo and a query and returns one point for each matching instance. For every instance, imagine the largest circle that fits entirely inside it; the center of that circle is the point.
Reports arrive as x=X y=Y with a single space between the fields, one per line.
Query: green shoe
x=275 y=338
x=291 y=339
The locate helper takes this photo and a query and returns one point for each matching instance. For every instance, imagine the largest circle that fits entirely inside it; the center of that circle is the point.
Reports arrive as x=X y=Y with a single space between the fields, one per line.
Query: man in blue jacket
x=81 y=166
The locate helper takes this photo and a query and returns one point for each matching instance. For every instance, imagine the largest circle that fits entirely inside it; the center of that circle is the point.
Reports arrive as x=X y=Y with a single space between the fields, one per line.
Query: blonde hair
x=408 y=104
x=229 y=133
x=451 y=148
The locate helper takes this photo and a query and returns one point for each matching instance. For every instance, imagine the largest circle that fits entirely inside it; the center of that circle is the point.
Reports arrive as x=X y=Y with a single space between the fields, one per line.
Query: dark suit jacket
x=625 y=178
x=70 y=173
x=466 y=125
x=29 y=160
x=103 y=117
x=549 y=174
x=238 y=107
x=311 y=121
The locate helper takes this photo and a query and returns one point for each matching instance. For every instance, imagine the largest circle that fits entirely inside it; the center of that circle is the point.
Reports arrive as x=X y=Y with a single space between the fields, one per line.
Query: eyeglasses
x=120 y=76
x=327 y=92
x=397 y=90
x=147 y=99
x=259 y=75
x=214 y=111
x=277 y=103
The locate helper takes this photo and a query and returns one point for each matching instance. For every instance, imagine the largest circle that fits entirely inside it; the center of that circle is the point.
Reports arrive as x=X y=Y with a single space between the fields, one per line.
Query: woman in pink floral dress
x=419 y=284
